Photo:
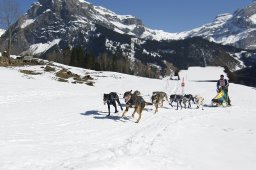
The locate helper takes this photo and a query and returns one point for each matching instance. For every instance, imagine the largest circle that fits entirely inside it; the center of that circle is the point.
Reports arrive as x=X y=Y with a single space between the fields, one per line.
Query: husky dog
x=176 y=98
x=137 y=93
x=199 y=101
x=187 y=98
x=158 y=99
x=132 y=99
x=162 y=96
x=111 y=99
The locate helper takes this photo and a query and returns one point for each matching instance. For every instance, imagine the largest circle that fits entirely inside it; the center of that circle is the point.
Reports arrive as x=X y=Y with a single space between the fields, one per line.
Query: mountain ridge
x=237 y=29
x=52 y=28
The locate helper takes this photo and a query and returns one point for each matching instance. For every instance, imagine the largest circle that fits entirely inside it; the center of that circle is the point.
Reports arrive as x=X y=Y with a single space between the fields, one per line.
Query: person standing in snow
x=223 y=84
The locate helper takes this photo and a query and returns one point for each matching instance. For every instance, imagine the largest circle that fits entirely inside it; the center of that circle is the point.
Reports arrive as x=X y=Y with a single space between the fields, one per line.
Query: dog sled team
x=136 y=101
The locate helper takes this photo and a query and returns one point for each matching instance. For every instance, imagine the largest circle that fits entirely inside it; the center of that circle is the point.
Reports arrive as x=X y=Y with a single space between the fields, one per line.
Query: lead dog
x=132 y=99
x=111 y=99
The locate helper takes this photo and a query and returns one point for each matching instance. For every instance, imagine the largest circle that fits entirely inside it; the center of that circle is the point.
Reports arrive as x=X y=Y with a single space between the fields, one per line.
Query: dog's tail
x=148 y=103
x=166 y=97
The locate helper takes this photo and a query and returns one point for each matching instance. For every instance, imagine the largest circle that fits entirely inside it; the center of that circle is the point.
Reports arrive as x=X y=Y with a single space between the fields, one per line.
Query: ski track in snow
x=46 y=124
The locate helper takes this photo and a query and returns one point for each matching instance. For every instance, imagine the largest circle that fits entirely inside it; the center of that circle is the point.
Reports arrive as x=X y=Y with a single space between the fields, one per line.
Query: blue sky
x=167 y=15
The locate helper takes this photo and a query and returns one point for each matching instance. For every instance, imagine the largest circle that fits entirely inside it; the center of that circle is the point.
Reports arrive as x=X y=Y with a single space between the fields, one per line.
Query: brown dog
x=131 y=100
x=158 y=98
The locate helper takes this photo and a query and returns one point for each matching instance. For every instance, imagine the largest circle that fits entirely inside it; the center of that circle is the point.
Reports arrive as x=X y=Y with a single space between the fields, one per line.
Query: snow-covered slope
x=127 y=24
x=46 y=124
x=209 y=29
x=1 y=32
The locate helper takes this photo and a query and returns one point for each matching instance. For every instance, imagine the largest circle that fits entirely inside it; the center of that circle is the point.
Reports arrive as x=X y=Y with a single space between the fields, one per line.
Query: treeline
x=105 y=62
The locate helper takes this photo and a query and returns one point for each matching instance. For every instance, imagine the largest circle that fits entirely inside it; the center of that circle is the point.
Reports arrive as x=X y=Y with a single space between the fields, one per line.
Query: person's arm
x=227 y=83
x=218 y=84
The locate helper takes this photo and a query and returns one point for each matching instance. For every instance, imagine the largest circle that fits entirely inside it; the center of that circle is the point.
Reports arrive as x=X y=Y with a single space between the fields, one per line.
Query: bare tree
x=9 y=13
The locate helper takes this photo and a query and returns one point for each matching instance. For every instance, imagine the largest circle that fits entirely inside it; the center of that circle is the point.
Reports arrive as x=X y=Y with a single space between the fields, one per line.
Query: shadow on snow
x=103 y=115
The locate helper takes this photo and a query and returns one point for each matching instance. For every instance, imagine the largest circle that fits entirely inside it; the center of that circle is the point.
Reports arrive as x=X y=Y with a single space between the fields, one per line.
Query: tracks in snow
x=152 y=137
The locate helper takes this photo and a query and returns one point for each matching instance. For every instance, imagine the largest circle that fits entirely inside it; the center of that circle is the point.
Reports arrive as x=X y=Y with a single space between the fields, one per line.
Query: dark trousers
x=227 y=99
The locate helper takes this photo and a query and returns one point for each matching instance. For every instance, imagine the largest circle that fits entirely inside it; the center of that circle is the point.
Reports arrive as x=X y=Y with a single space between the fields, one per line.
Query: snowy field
x=202 y=73
x=51 y=125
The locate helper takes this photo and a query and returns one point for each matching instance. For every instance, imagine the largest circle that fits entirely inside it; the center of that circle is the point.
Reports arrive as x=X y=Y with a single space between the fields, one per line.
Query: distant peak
x=253 y=3
x=54 y=1
x=223 y=17
x=83 y=1
x=105 y=11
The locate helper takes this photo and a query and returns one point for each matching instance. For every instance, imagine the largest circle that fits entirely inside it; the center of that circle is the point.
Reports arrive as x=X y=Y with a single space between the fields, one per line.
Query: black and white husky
x=187 y=98
x=111 y=99
x=176 y=98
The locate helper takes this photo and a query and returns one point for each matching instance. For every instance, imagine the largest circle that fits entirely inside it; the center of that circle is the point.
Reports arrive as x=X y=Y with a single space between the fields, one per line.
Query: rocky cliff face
x=68 y=22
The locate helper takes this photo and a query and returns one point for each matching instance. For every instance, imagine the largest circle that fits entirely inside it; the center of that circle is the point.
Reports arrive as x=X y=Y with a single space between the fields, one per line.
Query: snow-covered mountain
x=55 y=20
x=46 y=124
x=237 y=29
x=52 y=28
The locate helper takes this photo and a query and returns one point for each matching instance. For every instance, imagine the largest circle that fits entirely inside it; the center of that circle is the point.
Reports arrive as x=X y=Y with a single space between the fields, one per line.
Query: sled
x=220 y=100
